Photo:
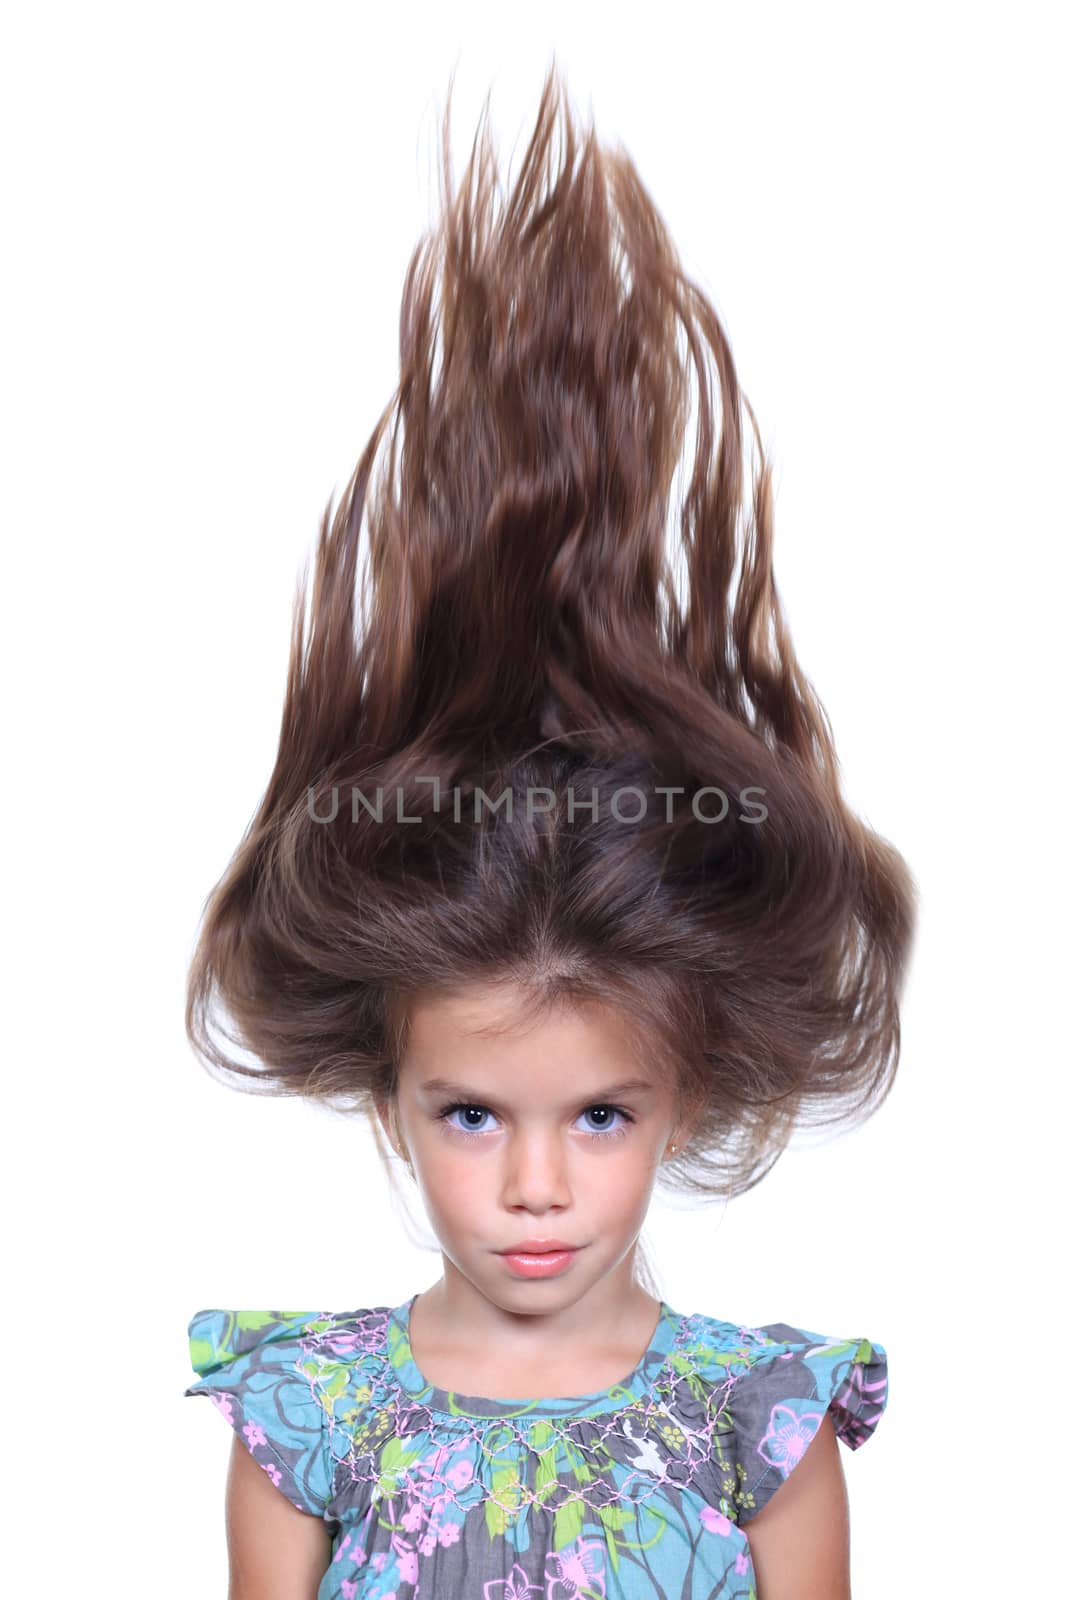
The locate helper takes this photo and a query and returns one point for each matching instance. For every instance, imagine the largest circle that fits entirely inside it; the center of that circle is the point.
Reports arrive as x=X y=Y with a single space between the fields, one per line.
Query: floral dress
x=639 y=1492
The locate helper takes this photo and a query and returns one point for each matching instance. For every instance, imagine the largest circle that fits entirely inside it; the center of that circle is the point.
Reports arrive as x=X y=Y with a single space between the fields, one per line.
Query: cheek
x=635 y=1182
x=452 y=1187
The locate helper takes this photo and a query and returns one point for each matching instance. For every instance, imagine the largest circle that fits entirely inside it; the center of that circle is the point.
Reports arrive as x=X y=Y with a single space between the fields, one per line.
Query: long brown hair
x=523 y=742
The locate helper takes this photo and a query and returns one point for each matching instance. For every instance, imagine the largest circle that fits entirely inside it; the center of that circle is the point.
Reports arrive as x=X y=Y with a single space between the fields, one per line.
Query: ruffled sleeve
x=255 y=1366
x=795 y=1379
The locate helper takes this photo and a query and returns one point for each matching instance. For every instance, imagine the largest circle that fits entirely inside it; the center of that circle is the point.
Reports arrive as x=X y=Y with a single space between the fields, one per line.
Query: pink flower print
x=787 y=1437
x=407 y=1567
x=714 y=1521
x=741 y=1564
x=426 y=1545
x=516 y=1586
x=254 y=1434
x=348 y=1590
x=272 y=1473
x=459 y=1475
x=581 y=1569
x=412 y=1519
x=224 y=1404
x=356 y=1554
x=428 y=1463
x=448 y=1534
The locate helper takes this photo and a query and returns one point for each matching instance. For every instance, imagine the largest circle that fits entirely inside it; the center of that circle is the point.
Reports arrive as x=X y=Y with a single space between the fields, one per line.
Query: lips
x=538 y=1247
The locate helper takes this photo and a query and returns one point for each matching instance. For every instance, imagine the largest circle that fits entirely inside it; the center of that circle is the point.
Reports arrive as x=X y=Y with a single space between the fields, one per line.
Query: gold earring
x=402 y=1152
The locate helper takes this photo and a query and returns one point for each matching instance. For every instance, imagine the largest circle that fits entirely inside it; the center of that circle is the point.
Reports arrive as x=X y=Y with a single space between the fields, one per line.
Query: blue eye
x=469 y=1132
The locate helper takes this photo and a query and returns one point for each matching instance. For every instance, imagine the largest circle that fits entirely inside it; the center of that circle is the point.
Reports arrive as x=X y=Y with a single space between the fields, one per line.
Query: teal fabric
x=639 y=1492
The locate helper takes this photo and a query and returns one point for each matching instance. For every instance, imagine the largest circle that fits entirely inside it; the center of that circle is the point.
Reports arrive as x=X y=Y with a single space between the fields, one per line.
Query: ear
x=683 y=1127
x=384 y=1111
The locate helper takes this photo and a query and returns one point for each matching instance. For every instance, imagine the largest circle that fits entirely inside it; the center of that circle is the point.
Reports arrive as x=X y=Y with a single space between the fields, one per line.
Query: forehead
x=500 y=1013
x=454 y=1036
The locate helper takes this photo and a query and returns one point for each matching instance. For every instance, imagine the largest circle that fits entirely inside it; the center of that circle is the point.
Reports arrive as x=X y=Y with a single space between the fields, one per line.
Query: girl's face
x=555 y=1131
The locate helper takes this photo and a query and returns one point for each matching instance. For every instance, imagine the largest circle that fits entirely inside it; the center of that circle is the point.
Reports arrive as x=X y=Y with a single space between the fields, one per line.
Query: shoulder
x=217 y=1338
x=770 y=1393
x=224 y=1344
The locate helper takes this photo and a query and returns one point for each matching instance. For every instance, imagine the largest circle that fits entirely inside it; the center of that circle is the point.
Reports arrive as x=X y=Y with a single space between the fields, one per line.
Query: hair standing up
x=522 y=743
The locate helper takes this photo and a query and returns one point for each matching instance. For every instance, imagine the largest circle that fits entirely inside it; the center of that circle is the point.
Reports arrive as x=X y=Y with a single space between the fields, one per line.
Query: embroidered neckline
x=670 y=1327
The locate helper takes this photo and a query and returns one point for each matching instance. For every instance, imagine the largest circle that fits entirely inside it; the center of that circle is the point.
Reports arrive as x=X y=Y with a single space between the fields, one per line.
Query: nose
x=537 y=1170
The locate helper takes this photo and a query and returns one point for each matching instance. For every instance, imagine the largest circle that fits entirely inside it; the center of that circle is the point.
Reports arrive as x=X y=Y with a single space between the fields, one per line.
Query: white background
x=208 y=211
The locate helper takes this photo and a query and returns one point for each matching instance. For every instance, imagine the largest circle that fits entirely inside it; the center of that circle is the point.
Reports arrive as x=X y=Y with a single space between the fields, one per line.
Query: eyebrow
x=459 y=1091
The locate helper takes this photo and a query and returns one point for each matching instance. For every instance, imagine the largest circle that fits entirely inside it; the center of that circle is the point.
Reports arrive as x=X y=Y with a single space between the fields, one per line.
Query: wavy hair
x=544 y=724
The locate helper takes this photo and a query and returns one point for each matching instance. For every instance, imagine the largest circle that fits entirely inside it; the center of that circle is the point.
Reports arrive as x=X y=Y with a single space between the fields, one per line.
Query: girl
x=554 y=881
